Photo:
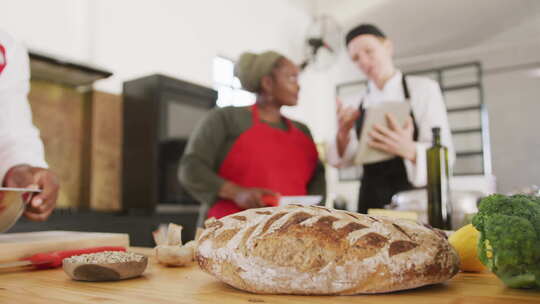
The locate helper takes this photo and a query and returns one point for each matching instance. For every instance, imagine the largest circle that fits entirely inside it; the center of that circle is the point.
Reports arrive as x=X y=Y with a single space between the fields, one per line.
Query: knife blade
x=13 y=201
x=304 y=200
x=20 y=189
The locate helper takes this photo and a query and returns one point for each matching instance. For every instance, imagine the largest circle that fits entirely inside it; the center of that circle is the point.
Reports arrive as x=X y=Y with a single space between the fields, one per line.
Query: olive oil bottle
x=438 y=185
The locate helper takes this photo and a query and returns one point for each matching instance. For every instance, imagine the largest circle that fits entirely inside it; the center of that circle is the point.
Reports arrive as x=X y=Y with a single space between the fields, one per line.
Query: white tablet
x=377 y=115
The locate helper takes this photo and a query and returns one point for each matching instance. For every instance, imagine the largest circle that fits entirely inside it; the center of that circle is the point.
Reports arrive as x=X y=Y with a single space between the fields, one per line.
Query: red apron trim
x=3 y=58
x=265 y=157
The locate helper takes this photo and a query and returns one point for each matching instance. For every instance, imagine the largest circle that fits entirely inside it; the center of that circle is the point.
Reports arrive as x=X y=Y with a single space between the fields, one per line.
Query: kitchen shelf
x=466 y=131
x=469 y=153
x=460 y=87
x=463 y=109
x=469 y=173
x=60 y=70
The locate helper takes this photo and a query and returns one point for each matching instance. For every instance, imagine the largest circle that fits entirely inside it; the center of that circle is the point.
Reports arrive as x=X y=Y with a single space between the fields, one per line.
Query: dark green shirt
x=210 y=143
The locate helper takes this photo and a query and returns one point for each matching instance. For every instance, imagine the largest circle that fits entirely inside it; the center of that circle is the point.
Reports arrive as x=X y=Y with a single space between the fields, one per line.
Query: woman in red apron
x=268 y=154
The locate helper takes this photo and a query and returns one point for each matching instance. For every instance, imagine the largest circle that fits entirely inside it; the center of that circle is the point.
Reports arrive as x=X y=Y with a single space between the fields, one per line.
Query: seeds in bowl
x=105 y=266
x=105 y=257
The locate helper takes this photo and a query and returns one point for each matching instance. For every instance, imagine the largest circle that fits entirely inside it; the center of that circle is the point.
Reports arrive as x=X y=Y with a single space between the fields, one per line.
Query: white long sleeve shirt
x=19 y=138
x=429 y=111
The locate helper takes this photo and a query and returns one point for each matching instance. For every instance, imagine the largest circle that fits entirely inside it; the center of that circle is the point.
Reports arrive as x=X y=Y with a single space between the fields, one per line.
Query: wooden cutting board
x=14 y=246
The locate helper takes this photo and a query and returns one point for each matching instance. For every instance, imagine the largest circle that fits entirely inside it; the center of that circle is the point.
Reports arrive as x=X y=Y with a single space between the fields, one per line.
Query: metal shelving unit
x=461 y=86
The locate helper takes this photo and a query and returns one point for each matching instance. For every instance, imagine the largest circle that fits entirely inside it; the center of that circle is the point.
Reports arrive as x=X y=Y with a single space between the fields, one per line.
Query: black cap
x=363 y=29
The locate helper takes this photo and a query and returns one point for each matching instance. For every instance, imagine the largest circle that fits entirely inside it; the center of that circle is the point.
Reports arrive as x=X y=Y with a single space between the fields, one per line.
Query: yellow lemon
x=465 y=242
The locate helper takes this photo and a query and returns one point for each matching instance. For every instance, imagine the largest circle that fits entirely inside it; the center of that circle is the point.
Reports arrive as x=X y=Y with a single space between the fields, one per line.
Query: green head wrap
x=251 y=68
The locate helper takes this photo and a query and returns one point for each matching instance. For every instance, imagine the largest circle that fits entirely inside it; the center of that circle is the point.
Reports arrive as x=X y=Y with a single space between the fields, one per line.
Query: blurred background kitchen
x=117 y=87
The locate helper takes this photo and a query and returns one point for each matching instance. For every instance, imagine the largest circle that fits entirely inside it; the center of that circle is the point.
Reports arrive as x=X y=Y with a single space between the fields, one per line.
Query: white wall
x=180 y=38
x=421 y=27
x=54 y=26
x=513 y=100
x=139 y=37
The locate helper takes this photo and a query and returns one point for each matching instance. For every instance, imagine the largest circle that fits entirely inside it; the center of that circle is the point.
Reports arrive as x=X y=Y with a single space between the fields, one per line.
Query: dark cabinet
x=159 y=114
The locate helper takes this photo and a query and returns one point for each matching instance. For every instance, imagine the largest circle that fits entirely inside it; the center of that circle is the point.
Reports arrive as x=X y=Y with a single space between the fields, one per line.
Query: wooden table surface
x=190 y=285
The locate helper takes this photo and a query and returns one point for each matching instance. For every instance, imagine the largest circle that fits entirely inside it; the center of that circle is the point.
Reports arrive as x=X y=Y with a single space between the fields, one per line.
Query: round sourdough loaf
x=316 y=250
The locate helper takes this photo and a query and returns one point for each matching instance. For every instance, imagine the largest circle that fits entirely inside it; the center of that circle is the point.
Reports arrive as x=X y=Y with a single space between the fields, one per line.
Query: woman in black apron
x=370 y=50
x=381 y=180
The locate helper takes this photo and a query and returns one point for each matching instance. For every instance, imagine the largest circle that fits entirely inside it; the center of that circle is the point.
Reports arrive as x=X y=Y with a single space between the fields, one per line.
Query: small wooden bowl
x=94 y=272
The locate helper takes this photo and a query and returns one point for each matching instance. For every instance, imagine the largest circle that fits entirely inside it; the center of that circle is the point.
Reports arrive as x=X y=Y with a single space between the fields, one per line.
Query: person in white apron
x=22 y=159
x=370 y=49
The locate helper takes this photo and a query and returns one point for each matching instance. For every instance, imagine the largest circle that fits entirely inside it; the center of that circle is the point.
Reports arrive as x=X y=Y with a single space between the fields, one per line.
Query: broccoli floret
x=509 y=243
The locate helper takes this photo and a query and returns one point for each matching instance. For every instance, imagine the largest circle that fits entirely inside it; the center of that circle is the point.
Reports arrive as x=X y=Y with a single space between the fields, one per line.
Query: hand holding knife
x=41 y=204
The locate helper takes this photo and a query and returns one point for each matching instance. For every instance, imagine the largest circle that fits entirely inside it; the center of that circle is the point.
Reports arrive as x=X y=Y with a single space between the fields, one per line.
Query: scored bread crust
x=315 y=250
